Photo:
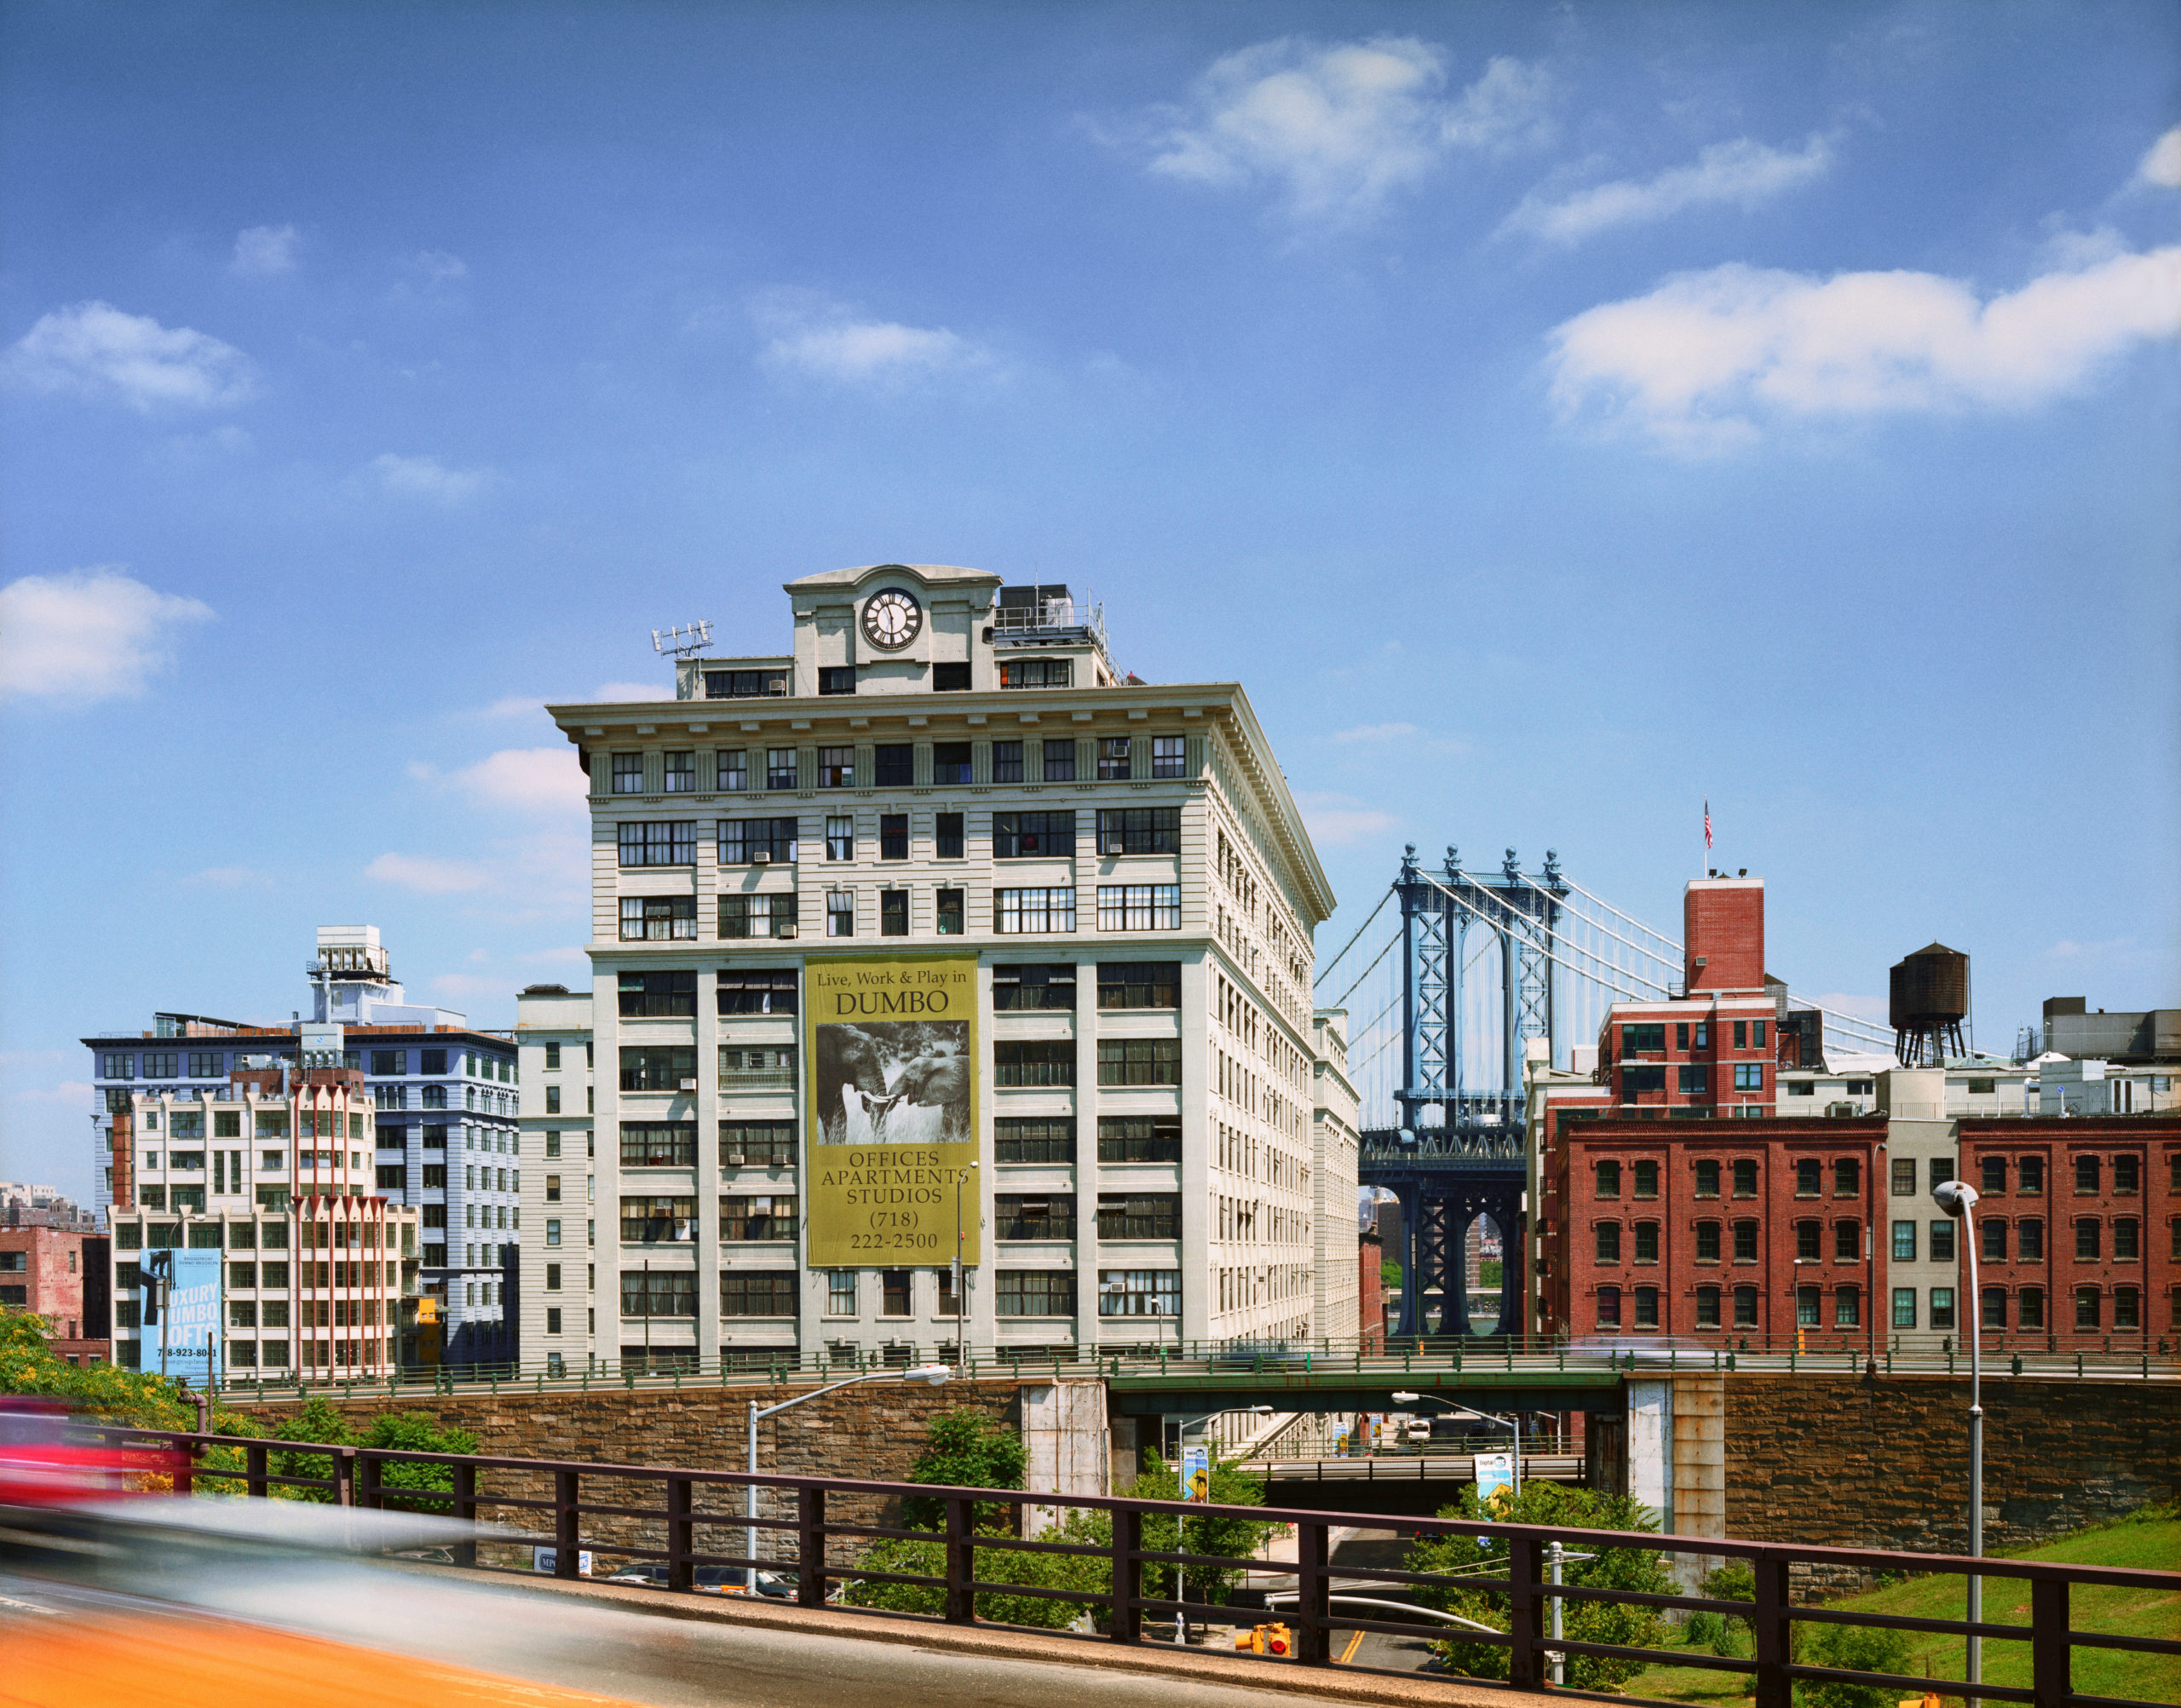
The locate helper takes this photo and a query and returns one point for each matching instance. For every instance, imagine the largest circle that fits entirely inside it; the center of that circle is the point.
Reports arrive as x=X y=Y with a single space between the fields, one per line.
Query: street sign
x=1196 y=1471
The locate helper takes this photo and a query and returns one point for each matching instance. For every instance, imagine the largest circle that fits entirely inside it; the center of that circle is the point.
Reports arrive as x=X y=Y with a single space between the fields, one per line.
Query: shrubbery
x=1641 y=1569
x=964 y=1449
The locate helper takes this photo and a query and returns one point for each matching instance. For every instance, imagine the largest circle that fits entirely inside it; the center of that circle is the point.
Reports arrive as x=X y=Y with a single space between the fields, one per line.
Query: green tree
x=28 y=1365
x=965 y=1448
x=926 y=1557
x=1853 y=1649
x=1390 y=1274
x=1237 y=1539
x=1640 y=1569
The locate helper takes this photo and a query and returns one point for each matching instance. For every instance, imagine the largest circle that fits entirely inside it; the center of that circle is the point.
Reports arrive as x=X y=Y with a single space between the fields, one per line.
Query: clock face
x=891 y=619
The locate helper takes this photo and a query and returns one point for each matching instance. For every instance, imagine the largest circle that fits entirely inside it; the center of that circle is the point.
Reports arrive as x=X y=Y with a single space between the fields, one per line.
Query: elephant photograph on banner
x=889 y=1082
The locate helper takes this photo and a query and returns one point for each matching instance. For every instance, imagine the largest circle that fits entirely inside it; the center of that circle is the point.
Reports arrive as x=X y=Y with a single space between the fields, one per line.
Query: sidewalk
x=1193 y=1665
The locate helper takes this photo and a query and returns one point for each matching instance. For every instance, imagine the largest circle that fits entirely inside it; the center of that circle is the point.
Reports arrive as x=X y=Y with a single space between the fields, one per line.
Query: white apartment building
x=558 y=1292
x=943 y=786
x=1337 y=1148
x=1851 y=1082
x=300 y=1269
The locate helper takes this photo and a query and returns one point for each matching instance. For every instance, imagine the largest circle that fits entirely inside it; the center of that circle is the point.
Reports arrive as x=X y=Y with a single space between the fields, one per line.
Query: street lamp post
x=961 y=1282
x=1958 y=1200
x=1514 y=1422
x=931 y=1374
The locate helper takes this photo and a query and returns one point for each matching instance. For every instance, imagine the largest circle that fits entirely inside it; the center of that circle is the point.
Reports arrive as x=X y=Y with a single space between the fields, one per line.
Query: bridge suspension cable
x=1326 y=970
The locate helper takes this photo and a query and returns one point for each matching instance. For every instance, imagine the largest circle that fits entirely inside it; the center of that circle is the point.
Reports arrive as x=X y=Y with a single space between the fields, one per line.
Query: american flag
x=1707 y=822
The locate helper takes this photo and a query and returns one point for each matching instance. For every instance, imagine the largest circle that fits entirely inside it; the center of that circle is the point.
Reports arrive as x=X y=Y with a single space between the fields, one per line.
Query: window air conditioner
x=735 y=1159
x=1114 y=845
x=787 y=930
x=763 y=857
x=689 y=1084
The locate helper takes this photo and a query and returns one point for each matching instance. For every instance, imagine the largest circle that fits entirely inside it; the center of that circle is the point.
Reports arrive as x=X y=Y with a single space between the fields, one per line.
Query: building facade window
x=659 y=1293
x=768 y=1215
x=1060 y=761
x=895 y=764
x=658 y=1067
x=1744 y=1242
x=1033 y=986
x=950 y=914
x=1007 y=762
x=733 y=771
x=1035 y=1292
x=767 y=991
x=680 y=774
x=950 y=764
x=1608 y=1307
x=1139 y=1061
x=1607 y=1175
x=1139 y=907
x=655 y=995
x=1139 y=1293
x=1139 y=1139
x=1114 y=758
x=1026 y=836
x=628 y=774
x=1904 y=1308
x=1608 y=1238
x=1015 y=912
x=1167 y=756
x=1033 y=1139
x=657 y=842
x=644 y=919
x=893 y=913
x=762 y=1294
x=757 y=916
x=837 y=767
x=1140 y=830
x=840 y=836
x=1745 y=1177
x=1034 y=1062
x=840 y=913
x=893 y=836
x=1139 y=985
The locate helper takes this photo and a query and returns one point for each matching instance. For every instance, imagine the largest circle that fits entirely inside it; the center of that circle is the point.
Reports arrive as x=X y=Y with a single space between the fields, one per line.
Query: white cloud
x=827 y=341
x=428 y=876
x=264 y=251
x=532 y=780
x=2161 y=165
x=1742 y=172
x=1339 y=127
x=438 y=266
x=1698 y=363
x=514 y=705
x=89 y=635
x=1338 y=819
x=426 y=477
x=95 y=350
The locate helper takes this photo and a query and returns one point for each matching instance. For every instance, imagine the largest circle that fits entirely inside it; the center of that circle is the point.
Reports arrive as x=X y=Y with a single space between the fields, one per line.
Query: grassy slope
x=2155 y=1545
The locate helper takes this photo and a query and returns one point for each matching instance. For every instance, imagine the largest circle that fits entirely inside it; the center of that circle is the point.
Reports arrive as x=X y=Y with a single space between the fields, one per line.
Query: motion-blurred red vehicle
x=41 y=1465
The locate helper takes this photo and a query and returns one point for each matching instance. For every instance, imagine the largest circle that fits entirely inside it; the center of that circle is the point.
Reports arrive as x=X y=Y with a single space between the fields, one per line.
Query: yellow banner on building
x=892 y=1100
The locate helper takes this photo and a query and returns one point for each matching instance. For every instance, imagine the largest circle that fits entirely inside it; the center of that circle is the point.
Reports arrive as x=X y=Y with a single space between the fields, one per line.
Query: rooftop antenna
x=684 y=642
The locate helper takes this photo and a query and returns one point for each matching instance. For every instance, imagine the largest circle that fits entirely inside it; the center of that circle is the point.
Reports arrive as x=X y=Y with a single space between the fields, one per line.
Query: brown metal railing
x=555 y=1494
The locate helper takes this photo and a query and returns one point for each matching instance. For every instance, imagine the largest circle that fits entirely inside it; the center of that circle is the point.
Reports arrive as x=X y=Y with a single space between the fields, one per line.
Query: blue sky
x=1554 y=416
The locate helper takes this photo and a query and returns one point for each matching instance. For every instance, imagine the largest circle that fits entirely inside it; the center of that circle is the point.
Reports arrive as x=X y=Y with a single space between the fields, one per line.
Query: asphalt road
x=644 y=1657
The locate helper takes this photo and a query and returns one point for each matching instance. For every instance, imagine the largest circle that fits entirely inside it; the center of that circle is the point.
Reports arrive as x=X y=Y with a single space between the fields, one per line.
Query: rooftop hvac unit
x=689 y=1084
x=763 y=857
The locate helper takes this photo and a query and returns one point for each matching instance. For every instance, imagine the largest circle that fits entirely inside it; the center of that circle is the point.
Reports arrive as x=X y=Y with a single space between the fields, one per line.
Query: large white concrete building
x=944 y=785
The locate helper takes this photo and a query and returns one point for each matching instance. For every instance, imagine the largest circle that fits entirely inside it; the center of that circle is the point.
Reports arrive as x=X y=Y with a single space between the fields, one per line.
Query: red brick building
x=60 y=1273
x=1752 y=1229
x=1779 y=1230
x=1371 y=1291
x=1712 y=1051
x=2079 y=1229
